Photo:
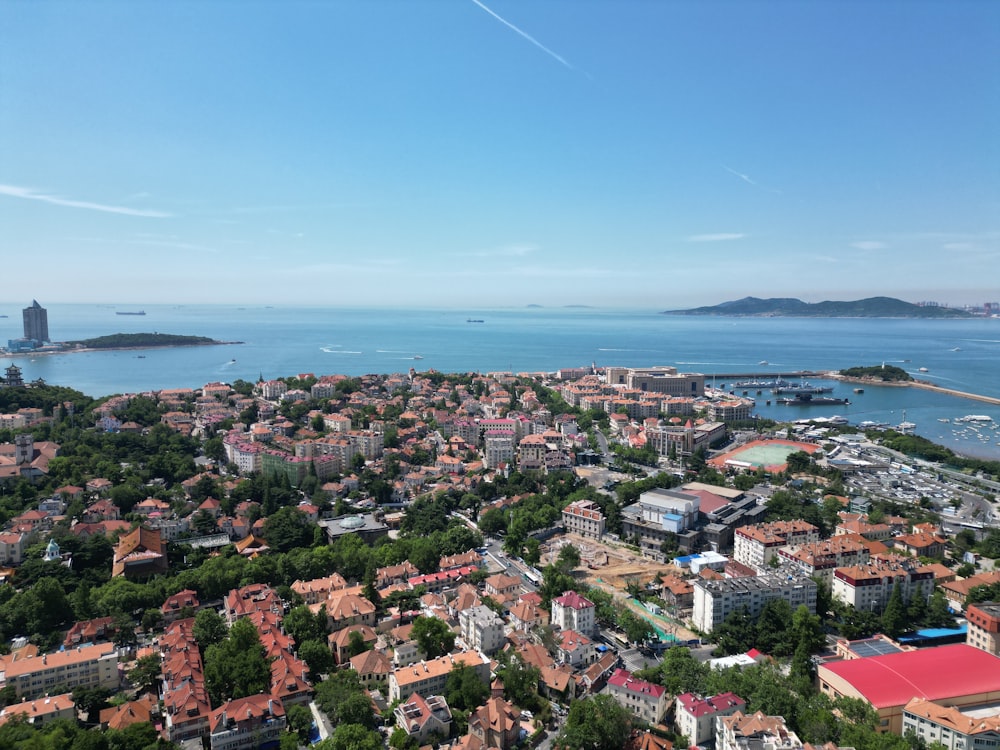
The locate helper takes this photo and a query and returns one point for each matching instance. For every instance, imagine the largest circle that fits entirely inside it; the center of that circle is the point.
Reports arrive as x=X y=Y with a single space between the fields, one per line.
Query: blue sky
x=464 y=153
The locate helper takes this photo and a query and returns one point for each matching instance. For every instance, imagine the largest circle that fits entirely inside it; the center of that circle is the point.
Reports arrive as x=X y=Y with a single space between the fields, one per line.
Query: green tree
x=299 y=720
x=532 y=551
x=145 y=674
x=209 y=628
x=343 y=699
x=568 y=558
x=600 y=723
x=433 y=636
x=288 y=528
x=894 y=621
x=464 y=689
x=356 y=644
x=355 y=737
x=237 y=666
x=317 y=657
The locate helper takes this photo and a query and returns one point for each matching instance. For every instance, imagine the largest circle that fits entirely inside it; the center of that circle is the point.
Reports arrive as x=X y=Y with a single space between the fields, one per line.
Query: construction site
x=614 y=569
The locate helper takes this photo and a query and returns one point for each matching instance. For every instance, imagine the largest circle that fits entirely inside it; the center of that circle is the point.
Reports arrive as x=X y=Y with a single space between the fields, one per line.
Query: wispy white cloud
x=15 y=191
x=749 y=181
x=507 y=251
x=869 y=245
x=527 y=36
x=742 y=176
x=717 y=237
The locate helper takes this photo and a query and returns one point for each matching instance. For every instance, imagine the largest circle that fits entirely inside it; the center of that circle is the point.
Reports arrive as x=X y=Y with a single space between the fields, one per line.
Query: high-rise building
x=36 y=323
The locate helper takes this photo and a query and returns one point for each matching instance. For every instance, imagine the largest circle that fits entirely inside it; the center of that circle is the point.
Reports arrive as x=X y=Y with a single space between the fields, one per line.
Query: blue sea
x=280 y=341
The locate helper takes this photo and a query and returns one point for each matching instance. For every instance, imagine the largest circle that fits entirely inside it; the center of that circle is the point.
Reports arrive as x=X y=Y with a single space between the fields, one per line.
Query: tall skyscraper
x=36 y=322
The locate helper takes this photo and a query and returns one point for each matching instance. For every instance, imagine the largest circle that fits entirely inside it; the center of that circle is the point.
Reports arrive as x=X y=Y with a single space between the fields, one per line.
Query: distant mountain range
x=789 y=307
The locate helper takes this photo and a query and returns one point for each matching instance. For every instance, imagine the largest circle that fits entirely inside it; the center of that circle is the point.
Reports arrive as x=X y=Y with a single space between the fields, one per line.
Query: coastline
x=922 y=384
x=84 y=349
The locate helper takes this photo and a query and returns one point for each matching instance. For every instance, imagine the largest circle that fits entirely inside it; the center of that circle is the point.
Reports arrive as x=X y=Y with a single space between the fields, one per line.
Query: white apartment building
x=715 y=600
x=482 y=629
x=869 y=586
x=646 y=700
x=695 y=717
x=952 y=727
x=574 y=612
x=498 y=448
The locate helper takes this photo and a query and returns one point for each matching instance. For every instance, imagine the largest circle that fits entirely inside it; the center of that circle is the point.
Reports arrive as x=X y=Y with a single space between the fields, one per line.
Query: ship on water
x=130 y=312
x=807 y=399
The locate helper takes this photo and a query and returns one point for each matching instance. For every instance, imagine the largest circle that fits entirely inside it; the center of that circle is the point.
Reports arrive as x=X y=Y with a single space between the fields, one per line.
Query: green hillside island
x=879 y=373
x=144 y=341
x=789 y=307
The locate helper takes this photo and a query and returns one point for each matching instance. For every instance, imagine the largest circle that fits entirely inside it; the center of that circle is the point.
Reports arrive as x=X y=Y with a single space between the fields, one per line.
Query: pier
x=834 y=375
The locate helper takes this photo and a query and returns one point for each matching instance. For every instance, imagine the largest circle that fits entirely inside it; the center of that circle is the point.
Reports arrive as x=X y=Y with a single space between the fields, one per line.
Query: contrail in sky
x=527 y=36
x=16 y=191
x=733 y=171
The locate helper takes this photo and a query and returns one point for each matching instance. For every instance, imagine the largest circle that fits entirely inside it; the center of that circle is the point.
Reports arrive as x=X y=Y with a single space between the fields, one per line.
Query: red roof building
x=645 y=699
x=954 y=676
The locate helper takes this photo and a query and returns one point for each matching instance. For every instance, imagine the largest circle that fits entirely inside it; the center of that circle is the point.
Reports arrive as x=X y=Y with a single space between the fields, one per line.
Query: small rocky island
x=144 y=341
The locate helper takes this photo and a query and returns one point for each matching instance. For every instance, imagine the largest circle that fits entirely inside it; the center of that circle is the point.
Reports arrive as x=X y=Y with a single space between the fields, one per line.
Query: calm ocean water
x=279 y=341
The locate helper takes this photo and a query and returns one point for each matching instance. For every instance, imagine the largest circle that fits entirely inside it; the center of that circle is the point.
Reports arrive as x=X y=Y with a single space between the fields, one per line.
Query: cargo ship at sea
x=130 y=312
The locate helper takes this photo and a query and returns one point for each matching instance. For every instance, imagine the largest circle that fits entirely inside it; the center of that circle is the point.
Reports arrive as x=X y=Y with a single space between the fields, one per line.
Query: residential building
x=644 y=699
x=247 y=723
x=141 y=553
x=573 y=612
x=84 y=666
x=695 y=717
x=373 y=668
x=345 y=609
x=482 y=629
x=820 y=559
x=498 y=449
x=428 y=677
x=869 y=586
x=584 y=517
x=88 y=632
x=245 y=601
x=951 y=727
x=494 y=725
x=984 y=627
x=36 y=323
x=422 y=717
x=756 y=545
x=501 y=585
x=756 y=731
x=12 y=546
x=42 y=710
x=575 y=649
x=715 y=600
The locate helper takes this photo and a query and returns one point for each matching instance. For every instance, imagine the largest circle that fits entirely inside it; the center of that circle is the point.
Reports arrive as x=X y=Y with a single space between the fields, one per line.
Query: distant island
x=789 y=307
x=144 y=341
x=878 y=373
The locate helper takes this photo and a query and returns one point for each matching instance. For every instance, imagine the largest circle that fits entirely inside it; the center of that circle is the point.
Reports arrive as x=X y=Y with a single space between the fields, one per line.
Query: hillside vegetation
x=872 y=307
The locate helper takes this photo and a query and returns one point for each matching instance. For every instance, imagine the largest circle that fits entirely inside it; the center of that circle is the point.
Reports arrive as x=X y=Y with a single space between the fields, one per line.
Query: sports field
x=770 y=455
